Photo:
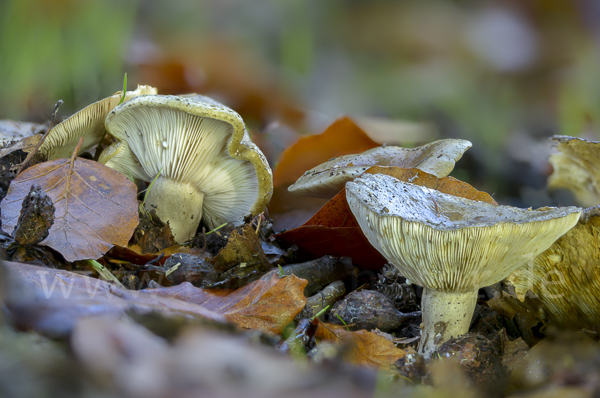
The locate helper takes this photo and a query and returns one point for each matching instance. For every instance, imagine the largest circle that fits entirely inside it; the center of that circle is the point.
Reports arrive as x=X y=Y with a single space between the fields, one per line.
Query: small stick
x=77 y=148
x=260 y=216
x=50 y=127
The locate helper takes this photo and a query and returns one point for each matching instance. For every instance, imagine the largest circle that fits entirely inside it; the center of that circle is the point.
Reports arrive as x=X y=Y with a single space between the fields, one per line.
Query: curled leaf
x=96 y=206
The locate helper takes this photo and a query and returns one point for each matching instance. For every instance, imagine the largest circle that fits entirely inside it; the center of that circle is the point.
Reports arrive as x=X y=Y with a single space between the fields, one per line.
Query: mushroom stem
x=177 y=202
x=445 y=315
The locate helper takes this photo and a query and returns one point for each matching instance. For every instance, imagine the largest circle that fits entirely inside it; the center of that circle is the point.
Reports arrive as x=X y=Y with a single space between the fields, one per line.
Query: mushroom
x=576 y=168
x=327 y=179
x=119 y=156
x=450 y=245
x=87 y=123
x=566 y=278
x=198 y=156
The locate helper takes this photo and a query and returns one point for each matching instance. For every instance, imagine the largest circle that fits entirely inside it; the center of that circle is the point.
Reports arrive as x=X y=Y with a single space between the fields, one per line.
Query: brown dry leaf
x=51 y=301
x=364 y=347
x=335 y=213
x=268 y=304
x=96 y=206
x=342 y=137
x=26 y=144
x=333 y=229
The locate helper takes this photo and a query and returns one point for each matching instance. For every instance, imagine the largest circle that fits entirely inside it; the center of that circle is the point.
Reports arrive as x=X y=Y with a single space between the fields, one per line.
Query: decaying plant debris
x=236 y=309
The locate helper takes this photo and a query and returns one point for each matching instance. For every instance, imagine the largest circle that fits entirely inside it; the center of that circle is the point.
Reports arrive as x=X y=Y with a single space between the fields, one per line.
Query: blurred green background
x=504 y=74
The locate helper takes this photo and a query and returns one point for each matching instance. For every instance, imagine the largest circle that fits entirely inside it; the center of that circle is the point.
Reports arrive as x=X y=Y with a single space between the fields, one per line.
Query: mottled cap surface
x=441 y=241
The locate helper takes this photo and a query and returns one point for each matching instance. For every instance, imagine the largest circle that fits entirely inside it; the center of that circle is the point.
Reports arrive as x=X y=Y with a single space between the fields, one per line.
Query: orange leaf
x=449 y=185
x=364 y=347
x=342 y=137
x=96 y=206
x=335 y=213
x=268 y=304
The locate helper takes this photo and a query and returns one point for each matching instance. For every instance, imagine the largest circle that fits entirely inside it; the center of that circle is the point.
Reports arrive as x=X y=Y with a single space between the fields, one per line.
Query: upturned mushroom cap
x=193 y=146
x=327 y=179
x=87 y=123
x=576 y=168
x=444 y=242
x=566 y=278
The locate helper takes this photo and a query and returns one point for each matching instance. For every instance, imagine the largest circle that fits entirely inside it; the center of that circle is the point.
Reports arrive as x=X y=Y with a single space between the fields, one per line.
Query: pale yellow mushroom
x=566 y=278
x=450 y=245
x=198 y=155
x=87 y=123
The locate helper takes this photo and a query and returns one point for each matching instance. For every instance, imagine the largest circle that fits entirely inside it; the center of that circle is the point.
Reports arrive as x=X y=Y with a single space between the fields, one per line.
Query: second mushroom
x=449 y=245
x=198 y=156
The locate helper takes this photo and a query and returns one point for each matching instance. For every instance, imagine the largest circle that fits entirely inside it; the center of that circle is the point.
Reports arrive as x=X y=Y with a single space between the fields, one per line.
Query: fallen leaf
x=51 y=301
x=333 y=229
x=96 y=206
x=268 y=304
x=26 y=145
x=350 y=242
x=449 y=185
x=364 y=348
x=241 y=261
x=342 y=137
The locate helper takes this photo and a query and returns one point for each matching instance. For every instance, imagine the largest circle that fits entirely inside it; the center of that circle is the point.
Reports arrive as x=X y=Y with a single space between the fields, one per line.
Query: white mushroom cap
x=576 y=168
x=327 y=179
x=445 y=242
x=87 y=123
x=199 y=149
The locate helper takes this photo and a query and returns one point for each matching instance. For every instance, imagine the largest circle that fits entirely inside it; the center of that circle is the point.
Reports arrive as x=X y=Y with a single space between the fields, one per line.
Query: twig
x=77 y=148
x=50 y=127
